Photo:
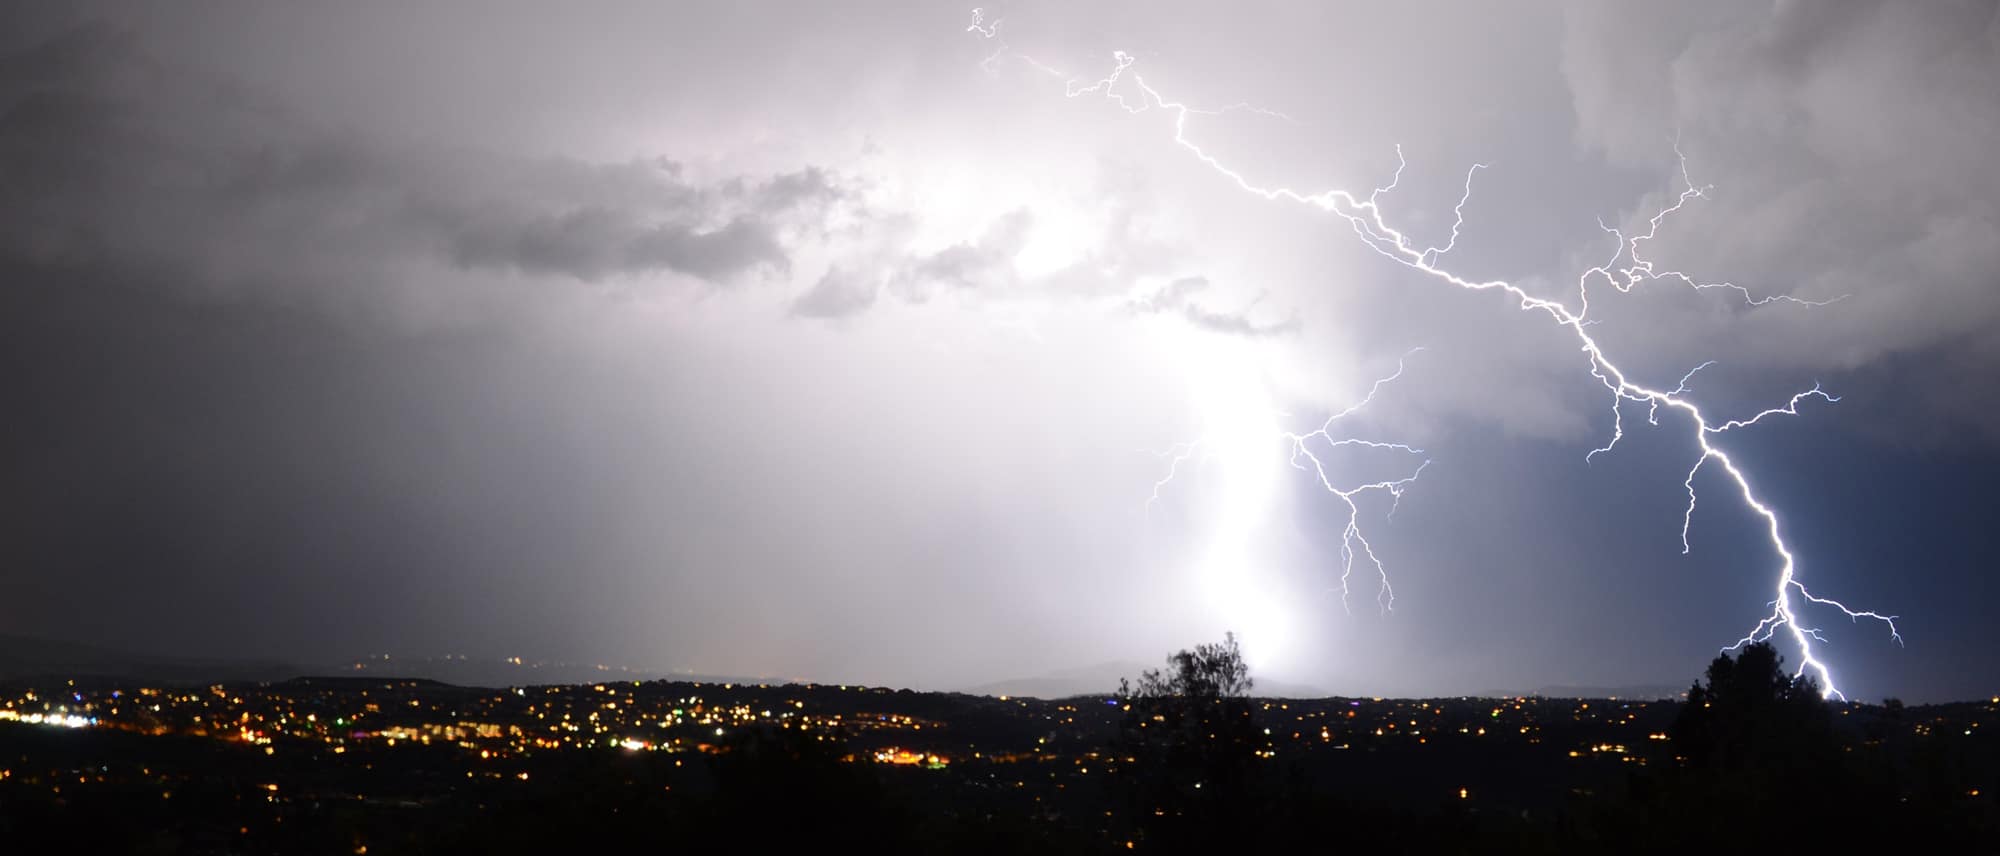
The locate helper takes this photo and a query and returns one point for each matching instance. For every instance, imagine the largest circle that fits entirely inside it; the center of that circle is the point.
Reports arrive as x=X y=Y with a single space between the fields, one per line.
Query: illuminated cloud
x=1178 y=297
x=123 y=162
x=830 y=341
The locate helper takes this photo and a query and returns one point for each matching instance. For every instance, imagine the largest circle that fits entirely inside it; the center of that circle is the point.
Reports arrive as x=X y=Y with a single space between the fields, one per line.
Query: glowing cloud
x=1626 y=269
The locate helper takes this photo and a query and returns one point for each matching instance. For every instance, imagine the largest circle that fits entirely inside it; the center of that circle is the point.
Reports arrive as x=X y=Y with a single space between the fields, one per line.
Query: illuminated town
x=389 y=744
x=338 y=715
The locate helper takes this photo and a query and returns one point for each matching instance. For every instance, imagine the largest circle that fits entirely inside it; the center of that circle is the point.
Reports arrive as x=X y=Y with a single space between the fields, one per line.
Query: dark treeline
x=1761 y=762
x=1757 y=762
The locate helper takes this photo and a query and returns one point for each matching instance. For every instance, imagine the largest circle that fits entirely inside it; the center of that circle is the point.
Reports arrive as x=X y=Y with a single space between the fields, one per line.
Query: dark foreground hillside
x=347 y=766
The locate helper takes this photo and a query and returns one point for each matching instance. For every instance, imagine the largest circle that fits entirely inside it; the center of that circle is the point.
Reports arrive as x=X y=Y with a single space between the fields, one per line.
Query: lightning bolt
x=1307 y=451
x=1626 y=269
x=1353 y=542
x=990 y=30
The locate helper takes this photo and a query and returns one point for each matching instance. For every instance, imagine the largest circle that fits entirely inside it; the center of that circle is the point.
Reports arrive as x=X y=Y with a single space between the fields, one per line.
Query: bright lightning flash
x=1625 y=270
x=1240 y=433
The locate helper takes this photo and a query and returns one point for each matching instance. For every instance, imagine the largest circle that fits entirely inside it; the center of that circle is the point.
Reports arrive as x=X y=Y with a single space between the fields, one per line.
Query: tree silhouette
x=1751 y=714
x=1212 y=670
x=1191 y=742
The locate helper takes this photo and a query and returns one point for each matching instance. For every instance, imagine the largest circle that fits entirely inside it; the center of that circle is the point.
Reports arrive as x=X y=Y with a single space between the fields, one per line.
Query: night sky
x=834 y=341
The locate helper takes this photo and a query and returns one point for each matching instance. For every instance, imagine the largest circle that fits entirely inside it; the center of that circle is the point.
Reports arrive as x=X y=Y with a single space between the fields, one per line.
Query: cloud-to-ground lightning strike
x=1353 y=541
x=1625 y=270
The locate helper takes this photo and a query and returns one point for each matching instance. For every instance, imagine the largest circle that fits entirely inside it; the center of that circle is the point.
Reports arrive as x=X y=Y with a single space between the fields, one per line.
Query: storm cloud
x=829 y=342
x=1848 y=146
x=118 y=159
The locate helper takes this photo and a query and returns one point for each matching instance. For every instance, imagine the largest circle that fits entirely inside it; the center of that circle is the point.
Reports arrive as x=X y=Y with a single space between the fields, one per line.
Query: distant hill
x=23 y=657
x=1636 y=692
x=27 y=657
x=514 y=671
x=1102 y=679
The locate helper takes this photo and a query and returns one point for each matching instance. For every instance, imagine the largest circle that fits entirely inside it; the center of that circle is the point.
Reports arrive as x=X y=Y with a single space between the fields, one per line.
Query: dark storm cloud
x=973 y=263
x=1178 y=297
x=838 y=293
x=1850 y=147
x=985 y=267
x=232 y=426
x=592 y=243
x=1120 y=249
x=293 y=357
x=667 y=224
x=122 y=160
